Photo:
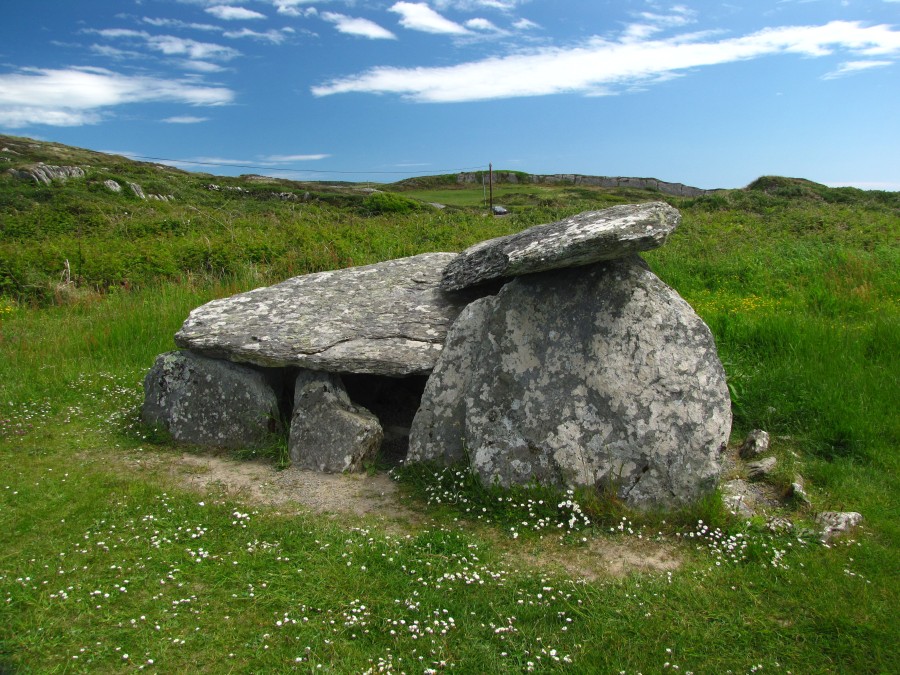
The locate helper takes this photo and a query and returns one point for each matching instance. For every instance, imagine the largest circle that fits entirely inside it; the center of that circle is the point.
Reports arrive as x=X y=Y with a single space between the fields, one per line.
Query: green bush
x=389 y=202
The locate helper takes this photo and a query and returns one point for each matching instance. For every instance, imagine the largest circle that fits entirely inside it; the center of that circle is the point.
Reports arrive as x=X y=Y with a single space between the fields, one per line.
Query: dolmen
x=551 y=356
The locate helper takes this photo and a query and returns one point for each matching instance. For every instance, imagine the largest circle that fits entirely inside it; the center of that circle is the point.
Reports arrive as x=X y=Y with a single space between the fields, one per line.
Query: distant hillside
x=75 y=222
x=502 y=177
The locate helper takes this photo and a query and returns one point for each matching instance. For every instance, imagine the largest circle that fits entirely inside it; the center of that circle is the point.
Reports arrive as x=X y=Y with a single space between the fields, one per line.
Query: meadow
x=110 y=560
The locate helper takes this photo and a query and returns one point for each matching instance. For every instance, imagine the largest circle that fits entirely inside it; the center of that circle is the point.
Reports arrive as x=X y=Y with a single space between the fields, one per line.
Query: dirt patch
x=261 y=483
x=377 y=497
x=601 y=557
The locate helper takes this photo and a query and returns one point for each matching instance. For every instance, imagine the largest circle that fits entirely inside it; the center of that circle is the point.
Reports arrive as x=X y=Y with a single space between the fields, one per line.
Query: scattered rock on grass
x=756 y=444
x=836 y=523
x=761 y=468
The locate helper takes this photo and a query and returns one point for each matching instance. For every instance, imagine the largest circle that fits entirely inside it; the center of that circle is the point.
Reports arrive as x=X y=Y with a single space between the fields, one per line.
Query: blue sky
x=712 y=94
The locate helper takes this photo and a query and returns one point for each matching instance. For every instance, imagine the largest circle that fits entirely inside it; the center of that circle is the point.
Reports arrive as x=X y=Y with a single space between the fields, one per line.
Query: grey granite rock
x=328 y=432
x=210 y=402
x=600 y=376
x=112 y=185
x=761 y=468
x=47 y=173
x=835 y=523
x=388 y=319
x=579 y=240
x=756 y=444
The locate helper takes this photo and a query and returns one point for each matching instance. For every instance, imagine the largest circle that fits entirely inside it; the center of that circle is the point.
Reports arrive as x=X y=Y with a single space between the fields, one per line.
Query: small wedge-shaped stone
x=589 y=237
x=328 y=432
x=386 y=319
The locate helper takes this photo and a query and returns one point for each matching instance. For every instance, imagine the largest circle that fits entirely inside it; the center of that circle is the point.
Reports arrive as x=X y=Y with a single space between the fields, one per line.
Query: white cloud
x=185 y=119
x=601 y=65
x=176 y=23
x=113 y=53
x=26 y=116
x=171 y=45
x=419 y=16
x=176 y=46
x=76 y=96
x=201 y=66
x=525 y=24
x=274 y=36
x=228 y=13
x=468 y=5
x=356 y=26
x=483 y=25
x=283 y=159
x=290 y=7
x=850 y=67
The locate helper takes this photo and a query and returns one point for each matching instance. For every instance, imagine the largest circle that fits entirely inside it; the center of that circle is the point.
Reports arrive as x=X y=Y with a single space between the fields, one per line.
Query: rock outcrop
x=210 y=402
x=579 y=240
x=47 y=173
x=598 y=376
x=388 y=319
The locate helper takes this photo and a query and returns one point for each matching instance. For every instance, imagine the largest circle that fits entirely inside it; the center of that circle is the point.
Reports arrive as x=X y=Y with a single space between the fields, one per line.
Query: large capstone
x=209 y=402
x=600 y=377
x=582 y=239
x=328 y=432
x=387 y=319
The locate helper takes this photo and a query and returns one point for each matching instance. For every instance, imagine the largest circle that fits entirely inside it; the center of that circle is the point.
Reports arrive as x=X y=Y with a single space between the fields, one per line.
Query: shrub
x=389 y=202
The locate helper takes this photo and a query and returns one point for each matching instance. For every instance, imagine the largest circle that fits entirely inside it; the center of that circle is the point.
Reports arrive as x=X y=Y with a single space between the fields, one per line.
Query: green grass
x=107 y=560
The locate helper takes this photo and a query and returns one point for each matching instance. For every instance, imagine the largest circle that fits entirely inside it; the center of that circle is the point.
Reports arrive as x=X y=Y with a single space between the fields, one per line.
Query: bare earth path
x=376 y=498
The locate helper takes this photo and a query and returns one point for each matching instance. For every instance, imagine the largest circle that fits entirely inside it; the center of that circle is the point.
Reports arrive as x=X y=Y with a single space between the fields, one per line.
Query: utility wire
x=289 y=170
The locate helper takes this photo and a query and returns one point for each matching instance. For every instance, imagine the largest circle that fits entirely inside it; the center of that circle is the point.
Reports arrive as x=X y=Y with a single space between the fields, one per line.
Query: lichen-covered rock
x=600 y=376
x=761 y=468
x=209 y=402
x=836 y=523
x=756 y=444
x=328 y=432
x=583 y=239
x=386 y=319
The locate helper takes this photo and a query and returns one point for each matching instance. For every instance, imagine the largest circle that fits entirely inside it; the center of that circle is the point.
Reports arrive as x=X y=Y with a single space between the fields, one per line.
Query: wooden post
x=491 y=183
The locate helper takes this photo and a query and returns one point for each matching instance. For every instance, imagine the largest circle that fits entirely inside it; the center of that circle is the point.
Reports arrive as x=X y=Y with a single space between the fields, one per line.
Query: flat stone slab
x=390 y=318
x=586 y=238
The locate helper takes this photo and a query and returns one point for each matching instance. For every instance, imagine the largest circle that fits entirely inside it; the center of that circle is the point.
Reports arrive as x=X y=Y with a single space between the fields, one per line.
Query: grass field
x=111 y=561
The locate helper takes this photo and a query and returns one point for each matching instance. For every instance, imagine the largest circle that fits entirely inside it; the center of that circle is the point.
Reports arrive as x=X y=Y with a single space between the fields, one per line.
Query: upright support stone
x=209 y=402
x=328 y=432
x=598 y=377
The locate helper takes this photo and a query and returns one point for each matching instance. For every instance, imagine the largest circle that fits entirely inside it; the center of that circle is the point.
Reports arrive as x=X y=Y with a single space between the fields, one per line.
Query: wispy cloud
x=185 y=119
x=274 y=36
x=419 y=16
x=468 y=5
x=358 y=26
x=171 y=45
x=77 y=96
x=228 y=13
x=851 y=67
x=177 y=23
x=292 y=7
x=484 y=25
x=601 y=65
x=286 y=159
